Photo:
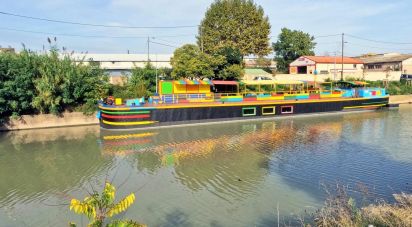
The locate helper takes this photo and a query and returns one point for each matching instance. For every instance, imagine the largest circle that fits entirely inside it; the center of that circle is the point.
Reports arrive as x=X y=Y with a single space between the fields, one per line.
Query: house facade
x=326 y=65
x=394 y=63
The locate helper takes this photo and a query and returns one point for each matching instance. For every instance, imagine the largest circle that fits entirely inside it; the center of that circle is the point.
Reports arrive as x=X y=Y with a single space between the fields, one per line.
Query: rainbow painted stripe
x=129 y=123
x=138 y=135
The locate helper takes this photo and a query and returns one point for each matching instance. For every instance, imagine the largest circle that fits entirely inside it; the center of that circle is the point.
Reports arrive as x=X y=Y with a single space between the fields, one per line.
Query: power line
x=96 y=25
x=90 y=36
x=375 y=47
x=164 y=44
x=377 y=41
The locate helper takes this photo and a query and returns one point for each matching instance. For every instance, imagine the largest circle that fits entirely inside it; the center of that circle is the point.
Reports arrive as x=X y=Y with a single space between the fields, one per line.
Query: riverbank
x=400 y=99
x=49 y=121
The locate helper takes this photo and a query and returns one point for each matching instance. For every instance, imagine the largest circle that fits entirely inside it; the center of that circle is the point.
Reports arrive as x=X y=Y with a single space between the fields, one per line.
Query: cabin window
x=249 y=111
x=268 y=110
x=286 y=109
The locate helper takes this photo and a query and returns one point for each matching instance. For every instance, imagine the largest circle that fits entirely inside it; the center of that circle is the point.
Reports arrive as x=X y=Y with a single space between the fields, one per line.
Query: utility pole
x=343 y=43
x=148 y=49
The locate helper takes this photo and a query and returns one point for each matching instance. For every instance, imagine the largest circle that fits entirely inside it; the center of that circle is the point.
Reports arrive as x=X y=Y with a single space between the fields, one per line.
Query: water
x=233 y=174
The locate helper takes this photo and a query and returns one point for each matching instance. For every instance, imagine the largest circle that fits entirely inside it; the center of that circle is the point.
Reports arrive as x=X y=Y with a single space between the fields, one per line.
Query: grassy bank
x=342 y=210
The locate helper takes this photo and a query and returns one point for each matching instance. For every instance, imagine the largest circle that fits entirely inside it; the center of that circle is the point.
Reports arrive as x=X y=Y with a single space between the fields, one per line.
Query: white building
x=326 y=65
x=121 y=64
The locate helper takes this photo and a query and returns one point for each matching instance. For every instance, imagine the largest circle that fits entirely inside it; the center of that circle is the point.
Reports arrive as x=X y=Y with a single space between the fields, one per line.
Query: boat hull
x=114 y=117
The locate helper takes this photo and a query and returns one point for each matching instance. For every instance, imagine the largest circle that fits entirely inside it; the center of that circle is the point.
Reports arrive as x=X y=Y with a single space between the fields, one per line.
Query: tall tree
x=291 y=45
x=189 y=62
x=240 y=24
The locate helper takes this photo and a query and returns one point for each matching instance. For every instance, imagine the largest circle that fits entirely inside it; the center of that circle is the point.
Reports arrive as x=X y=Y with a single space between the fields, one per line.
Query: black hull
x=143 y=117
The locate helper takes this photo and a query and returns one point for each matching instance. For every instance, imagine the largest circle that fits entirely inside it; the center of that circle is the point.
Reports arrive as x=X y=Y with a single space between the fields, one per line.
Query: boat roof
x=270 y=82
x=354 y=82
x=224 y=82
x=193 y=82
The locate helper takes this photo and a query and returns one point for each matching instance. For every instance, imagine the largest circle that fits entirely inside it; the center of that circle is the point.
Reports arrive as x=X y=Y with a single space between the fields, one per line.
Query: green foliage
x=189 y=62
x=98 y=207
x=240 y=24
x=291 y=45
x=33 y=83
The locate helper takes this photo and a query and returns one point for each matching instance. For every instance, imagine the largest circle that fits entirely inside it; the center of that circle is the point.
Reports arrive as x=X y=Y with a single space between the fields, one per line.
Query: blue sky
x=385 y=20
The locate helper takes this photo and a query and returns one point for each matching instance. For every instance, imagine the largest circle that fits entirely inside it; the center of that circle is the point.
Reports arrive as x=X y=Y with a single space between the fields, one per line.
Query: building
x=388 y=63
x=121 y=64
x=326 y=65
x=7 y=50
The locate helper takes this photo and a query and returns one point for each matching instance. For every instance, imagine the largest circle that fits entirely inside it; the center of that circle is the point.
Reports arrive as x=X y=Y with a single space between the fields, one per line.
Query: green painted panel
x=167 y=88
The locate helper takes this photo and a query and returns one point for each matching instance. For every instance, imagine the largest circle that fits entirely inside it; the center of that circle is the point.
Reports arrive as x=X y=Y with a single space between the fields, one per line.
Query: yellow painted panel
x=118 y=101
x=204 y=88
x=179 y=88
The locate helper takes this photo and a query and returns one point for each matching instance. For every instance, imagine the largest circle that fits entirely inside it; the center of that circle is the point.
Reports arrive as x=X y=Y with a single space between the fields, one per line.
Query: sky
x=386 y=21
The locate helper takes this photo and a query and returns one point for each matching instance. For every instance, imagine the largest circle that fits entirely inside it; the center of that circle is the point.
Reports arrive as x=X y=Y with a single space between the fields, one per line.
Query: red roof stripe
x=223 y=82
x=332 y=60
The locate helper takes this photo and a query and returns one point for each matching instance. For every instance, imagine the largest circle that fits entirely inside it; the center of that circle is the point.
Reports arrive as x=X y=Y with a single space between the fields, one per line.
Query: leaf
x=121 y=206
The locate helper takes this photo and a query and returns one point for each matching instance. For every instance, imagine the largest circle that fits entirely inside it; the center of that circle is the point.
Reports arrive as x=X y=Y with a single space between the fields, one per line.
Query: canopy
x=193 y=82
x=271 y=82
x=258 y=82
x=359 y=83
x=288 y=82
x=224 y=82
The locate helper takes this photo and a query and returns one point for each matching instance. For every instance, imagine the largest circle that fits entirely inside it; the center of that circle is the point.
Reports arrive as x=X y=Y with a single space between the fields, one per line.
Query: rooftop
x=332 y=60
x=122 y=57
x=382 y=58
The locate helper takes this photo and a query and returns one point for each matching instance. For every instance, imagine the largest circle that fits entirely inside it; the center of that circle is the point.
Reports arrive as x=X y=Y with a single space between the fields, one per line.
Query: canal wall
x=400 y=99
x=49 y=121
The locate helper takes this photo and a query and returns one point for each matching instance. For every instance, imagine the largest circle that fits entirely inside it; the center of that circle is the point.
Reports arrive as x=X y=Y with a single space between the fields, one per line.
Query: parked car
x=406 y=77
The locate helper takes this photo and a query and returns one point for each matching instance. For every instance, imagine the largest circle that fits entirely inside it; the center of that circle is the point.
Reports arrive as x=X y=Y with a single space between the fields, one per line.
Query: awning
x=271 y=82
x=193 y=82
x=288 y=82
x=224 y=82
x=258 y=82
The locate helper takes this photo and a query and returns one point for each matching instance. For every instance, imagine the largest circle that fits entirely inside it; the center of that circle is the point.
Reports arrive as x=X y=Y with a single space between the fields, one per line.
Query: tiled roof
x=383 y=58
x=332 y=60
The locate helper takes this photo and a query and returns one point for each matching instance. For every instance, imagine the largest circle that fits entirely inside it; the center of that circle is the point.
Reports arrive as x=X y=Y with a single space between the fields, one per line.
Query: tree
x=240 y=24
x=291 y=45
x=189 y=62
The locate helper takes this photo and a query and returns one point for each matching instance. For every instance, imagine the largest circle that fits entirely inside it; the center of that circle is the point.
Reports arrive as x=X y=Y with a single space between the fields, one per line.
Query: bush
x=32 y=83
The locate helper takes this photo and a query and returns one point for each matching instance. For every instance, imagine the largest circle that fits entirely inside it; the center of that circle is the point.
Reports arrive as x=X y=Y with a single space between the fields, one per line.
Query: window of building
x=249 y=111
x=324 y=72
x=378 y=66
x=286 y=109
x=268 y=110
x=354 y=66
x=370 y=67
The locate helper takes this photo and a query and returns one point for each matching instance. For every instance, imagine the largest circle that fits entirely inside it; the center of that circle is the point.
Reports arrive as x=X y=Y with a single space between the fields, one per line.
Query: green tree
x=291 y=45
x=189 y=62
x=240 y=24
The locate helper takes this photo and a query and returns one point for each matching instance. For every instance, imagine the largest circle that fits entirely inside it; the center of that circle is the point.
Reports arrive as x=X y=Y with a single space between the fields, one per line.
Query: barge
x=193 y=101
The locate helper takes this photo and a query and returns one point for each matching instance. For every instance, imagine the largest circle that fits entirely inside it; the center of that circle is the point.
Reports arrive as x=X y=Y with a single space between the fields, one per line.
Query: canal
x=231 y=174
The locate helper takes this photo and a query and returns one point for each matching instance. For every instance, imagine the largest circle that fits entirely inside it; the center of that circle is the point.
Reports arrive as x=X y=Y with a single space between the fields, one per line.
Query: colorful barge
x=194 y=101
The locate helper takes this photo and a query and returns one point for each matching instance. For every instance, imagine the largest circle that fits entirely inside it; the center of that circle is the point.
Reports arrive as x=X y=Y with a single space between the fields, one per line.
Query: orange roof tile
x=332 y=60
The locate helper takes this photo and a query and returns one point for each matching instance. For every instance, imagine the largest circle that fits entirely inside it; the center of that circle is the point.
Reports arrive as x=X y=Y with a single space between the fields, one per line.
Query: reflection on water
x=215 y=175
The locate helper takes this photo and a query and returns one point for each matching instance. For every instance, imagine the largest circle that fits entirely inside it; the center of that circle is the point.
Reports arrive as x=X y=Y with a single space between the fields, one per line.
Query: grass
x=341 y=210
